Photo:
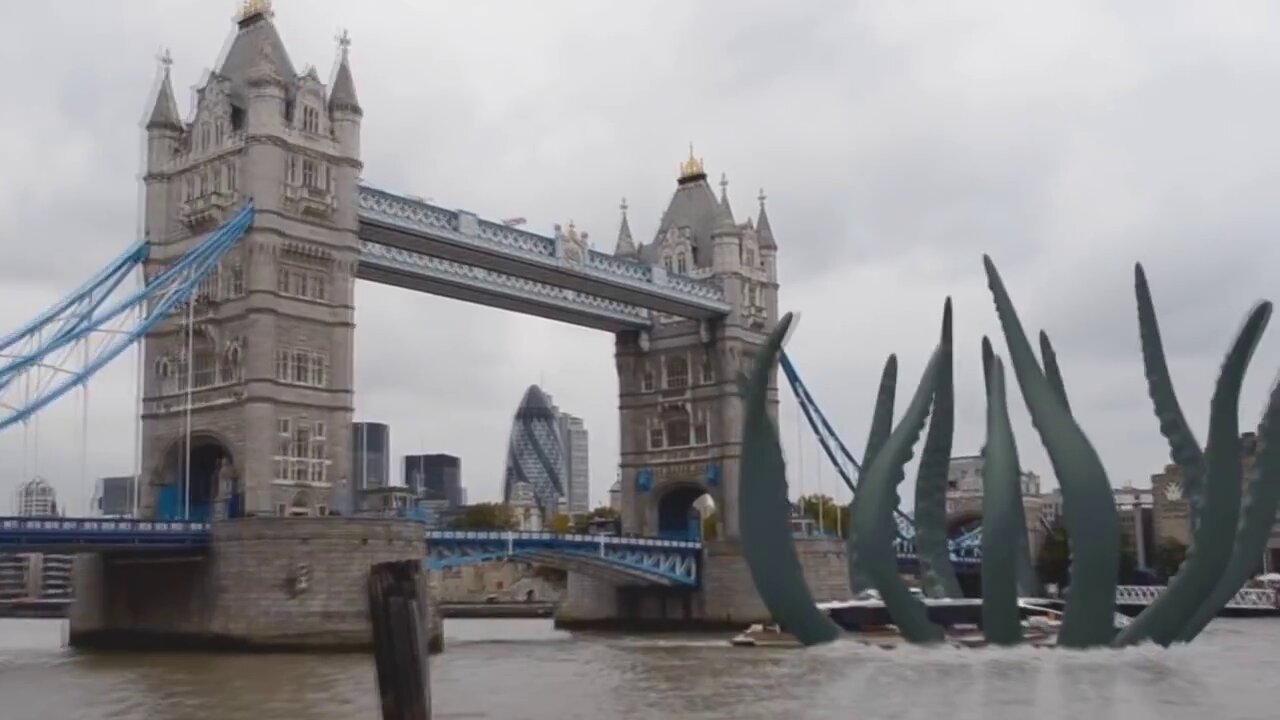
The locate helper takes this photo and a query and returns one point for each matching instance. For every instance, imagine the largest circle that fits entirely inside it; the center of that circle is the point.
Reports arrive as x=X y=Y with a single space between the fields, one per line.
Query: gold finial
x=251 y=8
x=692 y=167
x=623 y=206
x=165 y=58
x=344 y=40
x=761 y=197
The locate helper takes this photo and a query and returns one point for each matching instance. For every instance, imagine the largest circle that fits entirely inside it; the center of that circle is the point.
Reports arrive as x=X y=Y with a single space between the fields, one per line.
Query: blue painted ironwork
x=155 y=301
x=464 y=230
x=963 y=550
x=71 y=305
x=28 y=534
x=640 y=560
x=377 y=262
x=644 y=480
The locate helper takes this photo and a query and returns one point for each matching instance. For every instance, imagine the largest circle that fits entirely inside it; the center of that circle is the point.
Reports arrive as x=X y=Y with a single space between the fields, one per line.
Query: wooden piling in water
x=397 y=604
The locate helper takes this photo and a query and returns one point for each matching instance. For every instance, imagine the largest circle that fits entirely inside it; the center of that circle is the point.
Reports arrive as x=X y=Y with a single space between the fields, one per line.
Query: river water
x=526 y=670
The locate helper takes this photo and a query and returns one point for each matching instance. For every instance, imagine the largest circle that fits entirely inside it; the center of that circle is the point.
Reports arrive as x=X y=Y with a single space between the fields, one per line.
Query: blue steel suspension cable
x=214 y=246
x=823 y=429
x=127 y=260
x=205 y=258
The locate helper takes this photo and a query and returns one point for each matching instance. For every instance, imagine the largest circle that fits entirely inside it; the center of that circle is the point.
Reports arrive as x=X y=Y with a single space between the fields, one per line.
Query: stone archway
x=198 y=481
x=301 y=505
x=677 y=516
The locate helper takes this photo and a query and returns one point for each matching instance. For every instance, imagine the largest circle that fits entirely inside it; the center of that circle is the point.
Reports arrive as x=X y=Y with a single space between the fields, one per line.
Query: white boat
x=759 y=635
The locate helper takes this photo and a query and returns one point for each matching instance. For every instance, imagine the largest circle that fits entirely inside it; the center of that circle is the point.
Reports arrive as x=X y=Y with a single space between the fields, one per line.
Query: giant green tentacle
x=1051 y=370
x=937 y=576
x=1257 y=518
x=1089 y=506
x=988 y=355
x=881 y=426
x=1003 y=529
x=1211 y=543
x=873 y=516
x=1184 y=449
x=764 y=513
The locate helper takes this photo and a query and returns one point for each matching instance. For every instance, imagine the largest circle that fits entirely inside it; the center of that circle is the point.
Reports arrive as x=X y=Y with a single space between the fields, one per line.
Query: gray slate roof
x=246 y=53
x=165 y=113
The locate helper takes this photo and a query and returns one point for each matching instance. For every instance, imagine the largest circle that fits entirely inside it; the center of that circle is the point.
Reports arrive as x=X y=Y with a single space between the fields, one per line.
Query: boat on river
x=867 y=621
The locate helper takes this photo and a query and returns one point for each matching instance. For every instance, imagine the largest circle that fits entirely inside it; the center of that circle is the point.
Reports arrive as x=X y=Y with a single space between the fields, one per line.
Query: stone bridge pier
x=265 y=584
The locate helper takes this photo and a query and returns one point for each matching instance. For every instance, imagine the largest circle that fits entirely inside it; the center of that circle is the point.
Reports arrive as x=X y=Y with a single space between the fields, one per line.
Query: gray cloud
x=896 y=144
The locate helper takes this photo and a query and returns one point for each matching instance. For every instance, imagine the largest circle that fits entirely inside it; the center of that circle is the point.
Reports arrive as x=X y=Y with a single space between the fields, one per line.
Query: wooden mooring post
x=397 y=605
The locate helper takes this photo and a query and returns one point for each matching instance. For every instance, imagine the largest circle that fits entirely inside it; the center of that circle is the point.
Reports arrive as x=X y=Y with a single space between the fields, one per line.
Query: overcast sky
x=897 y=142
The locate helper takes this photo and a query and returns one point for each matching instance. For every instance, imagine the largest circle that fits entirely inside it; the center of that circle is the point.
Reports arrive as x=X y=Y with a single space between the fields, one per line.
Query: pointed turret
x=257 y=50
x=724 y=198
x=626 y=246
x=164 y=116
x=342 y=98
x=763 y=231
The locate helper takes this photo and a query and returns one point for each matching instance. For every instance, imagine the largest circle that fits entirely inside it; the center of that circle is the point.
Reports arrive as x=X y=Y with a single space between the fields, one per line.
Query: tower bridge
x=256 y=227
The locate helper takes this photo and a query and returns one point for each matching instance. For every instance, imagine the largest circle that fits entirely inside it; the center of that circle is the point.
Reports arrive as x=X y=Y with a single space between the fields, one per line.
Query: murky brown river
x=526 y=670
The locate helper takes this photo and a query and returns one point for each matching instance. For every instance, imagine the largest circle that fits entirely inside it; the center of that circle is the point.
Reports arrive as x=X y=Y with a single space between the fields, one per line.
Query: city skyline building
x=370 y=455
x=535 y=470
x=435 y=476
x=574 y=439
x=114 y=496
x=35 y=498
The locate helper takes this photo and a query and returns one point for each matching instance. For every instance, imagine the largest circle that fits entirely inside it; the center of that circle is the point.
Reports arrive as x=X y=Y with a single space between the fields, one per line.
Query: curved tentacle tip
x=789 y=323
x=785 y=322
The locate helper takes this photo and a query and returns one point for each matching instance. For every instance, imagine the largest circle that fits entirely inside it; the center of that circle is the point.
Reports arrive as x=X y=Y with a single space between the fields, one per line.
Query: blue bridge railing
x=649 y=560
x=27 y=534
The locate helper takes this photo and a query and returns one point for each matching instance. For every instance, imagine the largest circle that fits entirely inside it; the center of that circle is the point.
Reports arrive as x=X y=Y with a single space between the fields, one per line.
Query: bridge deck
x=79 y=535
x=419 y=227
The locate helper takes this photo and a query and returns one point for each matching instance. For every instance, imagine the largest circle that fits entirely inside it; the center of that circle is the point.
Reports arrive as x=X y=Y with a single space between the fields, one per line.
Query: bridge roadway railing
x=74 y=535
x=654 y=561
x=388 y=218
x=1246 y=599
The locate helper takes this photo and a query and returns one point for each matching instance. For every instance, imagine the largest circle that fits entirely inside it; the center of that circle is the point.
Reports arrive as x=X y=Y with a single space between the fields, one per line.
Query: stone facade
x=266 y=584
x=266 y=350
x=680 y=414
x=499 y=581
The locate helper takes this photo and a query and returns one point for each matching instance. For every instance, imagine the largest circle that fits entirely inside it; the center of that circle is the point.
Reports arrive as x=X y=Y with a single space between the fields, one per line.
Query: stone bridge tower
x=252 y=399
x=681 y=417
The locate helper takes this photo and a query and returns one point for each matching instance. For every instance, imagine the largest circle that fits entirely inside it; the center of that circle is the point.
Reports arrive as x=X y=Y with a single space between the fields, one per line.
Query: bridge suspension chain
x=850 y=469
x=39 y=359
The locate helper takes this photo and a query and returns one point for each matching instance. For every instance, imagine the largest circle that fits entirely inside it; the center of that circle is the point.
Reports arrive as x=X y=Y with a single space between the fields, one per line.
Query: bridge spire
x=724 y=198
x=251 y=9
x=691 y=169
x=342 y=97
x=164 y=115
x=763 y=229
x=626 y=245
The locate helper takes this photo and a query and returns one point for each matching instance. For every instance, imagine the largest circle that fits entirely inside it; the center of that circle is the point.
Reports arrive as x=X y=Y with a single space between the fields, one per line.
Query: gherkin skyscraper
x=535 y=454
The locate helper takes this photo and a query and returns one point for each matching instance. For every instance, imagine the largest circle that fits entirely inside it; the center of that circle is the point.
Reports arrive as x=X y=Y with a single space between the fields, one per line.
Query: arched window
x=301 y=504
x=680 y=264
x=677 y=372
x=666 y=261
